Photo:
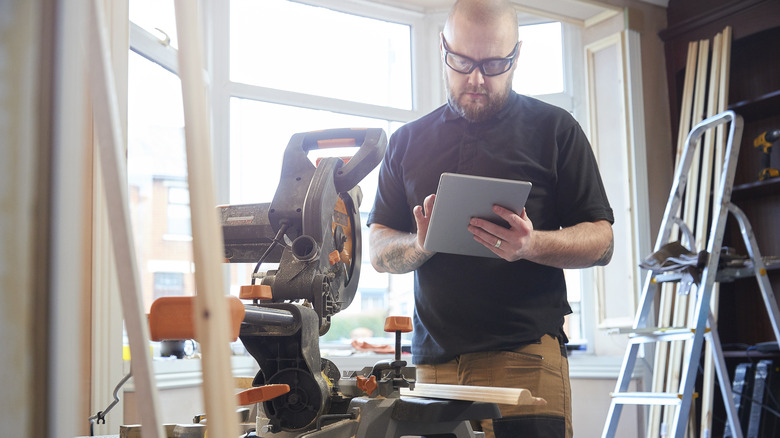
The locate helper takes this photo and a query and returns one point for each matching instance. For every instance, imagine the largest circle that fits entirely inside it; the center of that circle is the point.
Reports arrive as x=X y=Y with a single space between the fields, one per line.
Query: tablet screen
x=461 y=197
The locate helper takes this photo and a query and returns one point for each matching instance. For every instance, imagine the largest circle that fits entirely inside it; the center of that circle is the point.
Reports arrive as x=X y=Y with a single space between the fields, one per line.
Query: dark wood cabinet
x=754 y=93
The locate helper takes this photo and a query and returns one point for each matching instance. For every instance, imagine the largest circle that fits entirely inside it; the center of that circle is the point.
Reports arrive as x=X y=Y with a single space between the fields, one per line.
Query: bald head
x=475 y=31
x=498 y=15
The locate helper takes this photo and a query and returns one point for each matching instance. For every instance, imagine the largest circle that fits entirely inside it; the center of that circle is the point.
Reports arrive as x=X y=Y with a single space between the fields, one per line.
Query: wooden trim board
x=211 y=313
x=508 y=396
x=107 y=126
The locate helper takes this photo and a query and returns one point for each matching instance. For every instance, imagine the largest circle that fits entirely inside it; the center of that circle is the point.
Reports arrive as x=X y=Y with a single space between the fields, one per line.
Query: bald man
x=493 y=321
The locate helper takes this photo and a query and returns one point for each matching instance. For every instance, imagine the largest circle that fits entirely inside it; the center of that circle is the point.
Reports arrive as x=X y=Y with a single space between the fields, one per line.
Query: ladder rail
x=701 y=315
x=723 y=379
x=714 y=245
x=759 y=268
x=615 y=408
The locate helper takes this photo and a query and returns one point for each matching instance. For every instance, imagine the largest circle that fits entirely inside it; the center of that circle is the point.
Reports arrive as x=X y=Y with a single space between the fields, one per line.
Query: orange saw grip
x=401 y=324
x=336 y=143
x=261 y=393
x=173 y=318
x=256 y=292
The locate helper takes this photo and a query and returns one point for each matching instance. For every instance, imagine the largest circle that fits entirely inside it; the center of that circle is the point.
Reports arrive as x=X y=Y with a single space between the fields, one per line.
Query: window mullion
x=220 y=115
x=273 y=95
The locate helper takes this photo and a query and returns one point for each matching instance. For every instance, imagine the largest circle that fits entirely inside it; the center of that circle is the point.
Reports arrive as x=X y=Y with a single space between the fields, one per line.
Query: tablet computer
x=461 y=197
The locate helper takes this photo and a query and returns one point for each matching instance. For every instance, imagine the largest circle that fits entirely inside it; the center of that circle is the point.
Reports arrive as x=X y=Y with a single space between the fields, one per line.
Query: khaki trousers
x=541 y=367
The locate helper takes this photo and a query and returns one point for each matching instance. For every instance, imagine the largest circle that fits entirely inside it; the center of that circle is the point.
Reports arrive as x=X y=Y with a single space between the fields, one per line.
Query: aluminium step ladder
x=703 y=324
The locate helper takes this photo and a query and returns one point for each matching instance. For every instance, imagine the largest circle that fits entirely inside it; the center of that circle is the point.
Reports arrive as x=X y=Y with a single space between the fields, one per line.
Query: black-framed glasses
x=488 y=67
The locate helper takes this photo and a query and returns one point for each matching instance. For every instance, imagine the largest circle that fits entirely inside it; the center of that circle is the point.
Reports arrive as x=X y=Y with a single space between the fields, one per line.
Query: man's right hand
x=399 y=252
x=422 y=215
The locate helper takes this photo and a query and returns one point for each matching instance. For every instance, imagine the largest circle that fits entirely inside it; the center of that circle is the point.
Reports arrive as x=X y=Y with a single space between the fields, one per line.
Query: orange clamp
x=401 y=324
x=255 y=292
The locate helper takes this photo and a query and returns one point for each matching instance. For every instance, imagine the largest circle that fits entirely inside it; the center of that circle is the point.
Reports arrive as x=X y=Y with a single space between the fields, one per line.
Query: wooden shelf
x=755 y=190
x=754 y=94
x=753 y=355
x=758 y=108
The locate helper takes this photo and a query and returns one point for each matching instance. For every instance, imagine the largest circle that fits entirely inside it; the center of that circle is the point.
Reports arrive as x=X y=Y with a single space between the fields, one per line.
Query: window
x=281 y=67
x=540 y=63
x=296 y=68
x=156 y=17
x=541 y=73
x=548 y=64
x=168 y=284
x=259 y=133
x=373 y=299
x=157 y=171
x=318 y=51
x=289 y=61
x=178 y=213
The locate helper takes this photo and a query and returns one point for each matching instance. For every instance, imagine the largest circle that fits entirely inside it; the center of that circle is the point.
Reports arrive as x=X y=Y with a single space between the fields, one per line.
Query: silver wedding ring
x=498 y=243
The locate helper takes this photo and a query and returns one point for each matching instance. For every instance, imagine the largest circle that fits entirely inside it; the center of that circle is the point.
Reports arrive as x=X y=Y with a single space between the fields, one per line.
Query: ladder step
x=646 y=398
x=732 y=270
x=658 y=334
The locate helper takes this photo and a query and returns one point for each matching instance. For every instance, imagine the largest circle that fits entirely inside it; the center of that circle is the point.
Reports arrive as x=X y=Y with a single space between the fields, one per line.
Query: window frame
x=425 y=28
x=224 y=89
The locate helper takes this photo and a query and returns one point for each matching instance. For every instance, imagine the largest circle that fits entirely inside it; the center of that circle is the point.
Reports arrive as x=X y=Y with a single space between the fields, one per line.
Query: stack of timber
x=705 y=94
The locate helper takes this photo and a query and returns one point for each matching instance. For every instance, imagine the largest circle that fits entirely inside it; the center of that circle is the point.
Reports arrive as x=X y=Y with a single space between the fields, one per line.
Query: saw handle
x=370 y=141
x=261 y=393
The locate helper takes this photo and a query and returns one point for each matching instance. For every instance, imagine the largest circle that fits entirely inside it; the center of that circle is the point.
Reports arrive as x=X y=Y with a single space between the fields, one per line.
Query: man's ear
x=517 y=55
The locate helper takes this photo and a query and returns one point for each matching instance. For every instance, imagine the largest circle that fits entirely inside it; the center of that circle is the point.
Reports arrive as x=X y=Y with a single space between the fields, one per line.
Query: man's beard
x=474 y=113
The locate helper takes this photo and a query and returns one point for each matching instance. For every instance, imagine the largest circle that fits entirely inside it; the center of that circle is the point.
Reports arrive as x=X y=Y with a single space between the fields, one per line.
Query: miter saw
x=311 y=228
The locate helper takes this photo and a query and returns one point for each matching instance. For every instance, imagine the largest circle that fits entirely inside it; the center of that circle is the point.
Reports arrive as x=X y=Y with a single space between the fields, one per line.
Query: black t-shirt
x=468 y=304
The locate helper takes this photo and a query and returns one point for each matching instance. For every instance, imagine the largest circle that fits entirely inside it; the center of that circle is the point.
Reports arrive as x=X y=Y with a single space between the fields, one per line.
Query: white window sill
x=186 y=373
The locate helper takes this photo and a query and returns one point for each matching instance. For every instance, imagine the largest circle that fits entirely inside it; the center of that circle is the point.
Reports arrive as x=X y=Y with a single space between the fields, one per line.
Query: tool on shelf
x=764 y=141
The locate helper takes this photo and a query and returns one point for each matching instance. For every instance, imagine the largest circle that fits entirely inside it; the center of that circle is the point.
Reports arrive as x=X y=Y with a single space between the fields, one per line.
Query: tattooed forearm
x=607 y=255
x=395 y=252
x=399 y=259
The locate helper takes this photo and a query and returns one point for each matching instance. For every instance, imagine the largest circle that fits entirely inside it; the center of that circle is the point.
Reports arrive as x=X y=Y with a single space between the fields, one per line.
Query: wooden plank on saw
x=508 y=396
